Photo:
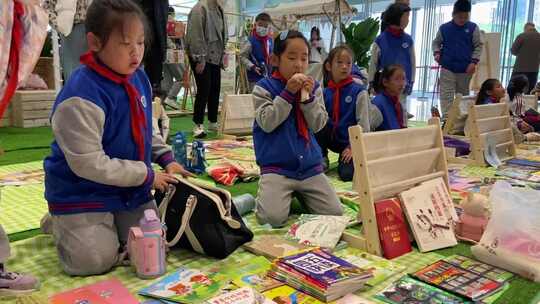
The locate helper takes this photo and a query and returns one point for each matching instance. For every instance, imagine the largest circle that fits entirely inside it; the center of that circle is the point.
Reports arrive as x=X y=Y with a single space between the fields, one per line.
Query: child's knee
x=88 y=261
x=346 y=171
x=274 y=220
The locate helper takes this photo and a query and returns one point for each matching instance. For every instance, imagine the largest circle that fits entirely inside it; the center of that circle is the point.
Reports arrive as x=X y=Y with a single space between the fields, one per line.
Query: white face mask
x=261 y=31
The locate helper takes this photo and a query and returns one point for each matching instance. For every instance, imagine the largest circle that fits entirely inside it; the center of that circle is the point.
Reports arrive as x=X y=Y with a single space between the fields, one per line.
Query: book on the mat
x=381 y=268
x=424 y=209
x=319 y=274
x=480 y=268
x=318 y=230
x=353 y=299
x=273 y=246
x=287 y=295
x=251 y=273
x=392 y=228
x=458 y=280
x=409 y=290
x=104 y=292
x=444 y=196
x=187 y=286
x=244 y=295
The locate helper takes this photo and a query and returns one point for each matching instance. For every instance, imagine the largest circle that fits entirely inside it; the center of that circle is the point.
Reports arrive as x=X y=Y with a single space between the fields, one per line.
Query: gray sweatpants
x=275 y=195
x=91 y=243
x=4 y=246
x=451 y=84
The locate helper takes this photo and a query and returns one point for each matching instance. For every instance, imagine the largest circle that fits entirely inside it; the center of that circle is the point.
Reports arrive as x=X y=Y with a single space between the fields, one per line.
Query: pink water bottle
x=146 y=246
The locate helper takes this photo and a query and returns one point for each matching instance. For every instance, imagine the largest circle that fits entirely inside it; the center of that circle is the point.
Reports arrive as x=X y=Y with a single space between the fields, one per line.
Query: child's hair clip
x=283 y=35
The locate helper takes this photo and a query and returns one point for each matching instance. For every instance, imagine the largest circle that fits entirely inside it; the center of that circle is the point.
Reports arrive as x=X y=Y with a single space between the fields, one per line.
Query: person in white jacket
x=67 y=18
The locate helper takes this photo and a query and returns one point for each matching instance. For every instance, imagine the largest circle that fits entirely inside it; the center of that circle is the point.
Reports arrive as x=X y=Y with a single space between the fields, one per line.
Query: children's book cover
x=187 y=286
x=480 y=268
x=244 y=295
x=252 y=273
x=288 y=295
x=318 y=230
x=324 y=267
x=410 y=291
x=105 y=292
x=458 y=280
x=381 y=268
x=273 y=246
x=443 y=196
x=392 y=227
x=431 y=227
x=353 y=299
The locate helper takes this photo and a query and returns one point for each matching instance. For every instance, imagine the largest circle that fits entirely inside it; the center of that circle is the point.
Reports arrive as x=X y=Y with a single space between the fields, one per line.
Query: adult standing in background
x=67 y=18
x=317 y=53
x=383 y=23
x=526 y=48
x=206 y=39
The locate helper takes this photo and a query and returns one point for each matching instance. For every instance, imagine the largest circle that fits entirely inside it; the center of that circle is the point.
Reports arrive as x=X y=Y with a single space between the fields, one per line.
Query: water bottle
x=146 y=246
x=179 y=148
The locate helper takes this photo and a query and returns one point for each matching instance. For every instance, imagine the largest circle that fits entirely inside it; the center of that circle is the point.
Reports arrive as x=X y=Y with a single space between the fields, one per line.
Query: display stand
x=387 y=163
x=237 y=115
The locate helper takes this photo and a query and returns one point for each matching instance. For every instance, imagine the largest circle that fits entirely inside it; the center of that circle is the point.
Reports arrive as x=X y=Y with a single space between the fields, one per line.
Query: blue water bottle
x=179 y=148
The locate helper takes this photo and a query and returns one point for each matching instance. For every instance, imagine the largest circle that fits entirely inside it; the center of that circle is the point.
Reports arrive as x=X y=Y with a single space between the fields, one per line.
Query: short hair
x=263 y=17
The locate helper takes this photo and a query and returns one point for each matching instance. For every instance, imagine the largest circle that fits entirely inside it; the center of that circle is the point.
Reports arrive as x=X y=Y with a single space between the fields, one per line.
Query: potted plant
x=360 y=37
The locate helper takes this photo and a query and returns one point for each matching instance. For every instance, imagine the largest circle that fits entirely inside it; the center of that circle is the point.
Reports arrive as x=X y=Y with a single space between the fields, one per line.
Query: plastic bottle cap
x=150 y=221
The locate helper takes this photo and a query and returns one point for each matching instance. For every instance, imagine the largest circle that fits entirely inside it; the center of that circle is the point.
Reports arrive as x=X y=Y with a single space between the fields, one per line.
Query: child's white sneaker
x=213 y=126
x=12 y=283
x=198 y=131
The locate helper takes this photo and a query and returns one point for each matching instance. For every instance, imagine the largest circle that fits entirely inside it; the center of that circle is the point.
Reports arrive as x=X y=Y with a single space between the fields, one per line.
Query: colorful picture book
x=105 y=292
x=252 y=273
x=444 y=196
x=244 y=295
x=381 y=268
x=318 y=230
x=273 y=246
x=409 y=290
x=319 y=274
x=480 y=268
x=288 y=295
x=424 y=207
x=458 y=280
x=187 y=286
x=392 y=228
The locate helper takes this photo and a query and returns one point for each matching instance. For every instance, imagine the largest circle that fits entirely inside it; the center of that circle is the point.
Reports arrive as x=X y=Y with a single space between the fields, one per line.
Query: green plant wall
x=360 y=37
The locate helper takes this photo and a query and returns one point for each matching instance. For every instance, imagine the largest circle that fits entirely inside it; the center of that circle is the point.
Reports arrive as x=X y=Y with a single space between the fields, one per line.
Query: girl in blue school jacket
x=389 y=85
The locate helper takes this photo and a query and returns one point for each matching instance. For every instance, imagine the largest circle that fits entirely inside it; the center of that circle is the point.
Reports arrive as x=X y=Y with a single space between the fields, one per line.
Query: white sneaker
x=171 y=103
x=213 y=126
x=198 y=131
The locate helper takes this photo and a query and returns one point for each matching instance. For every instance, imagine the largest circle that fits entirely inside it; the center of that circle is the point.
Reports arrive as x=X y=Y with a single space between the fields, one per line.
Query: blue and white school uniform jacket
x=386 y=106
x=354 y=109
x=279 y=148
x=396 y=50
x=94 y=164
x=253 y=55
x=459 y=46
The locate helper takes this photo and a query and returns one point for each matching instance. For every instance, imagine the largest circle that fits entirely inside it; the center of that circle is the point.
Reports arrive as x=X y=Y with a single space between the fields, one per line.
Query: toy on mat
x=472 y=223
x=197 y=163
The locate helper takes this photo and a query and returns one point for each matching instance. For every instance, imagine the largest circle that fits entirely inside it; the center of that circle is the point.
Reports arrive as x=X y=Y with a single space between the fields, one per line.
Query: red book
x=392 y=228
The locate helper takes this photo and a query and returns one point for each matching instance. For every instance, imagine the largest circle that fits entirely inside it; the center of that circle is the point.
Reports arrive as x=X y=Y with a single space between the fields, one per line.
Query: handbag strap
x=188 y=212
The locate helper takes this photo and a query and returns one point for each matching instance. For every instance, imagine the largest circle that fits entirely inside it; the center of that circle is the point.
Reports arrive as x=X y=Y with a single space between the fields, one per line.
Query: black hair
x=487 y=85
x=171 y=10
x=280 y=42
x=462 y=6
x=385 y=74
x=104 y=16
x=316 y=30
x=519 y=84
x=333 y=53
x=263 y=17
x=392 y=15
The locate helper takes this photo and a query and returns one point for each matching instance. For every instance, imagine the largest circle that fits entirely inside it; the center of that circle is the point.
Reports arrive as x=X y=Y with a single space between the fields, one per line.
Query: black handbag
x=202 y=218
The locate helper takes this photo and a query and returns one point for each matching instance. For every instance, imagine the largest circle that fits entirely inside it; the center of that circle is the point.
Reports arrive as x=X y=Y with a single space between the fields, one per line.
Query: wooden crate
x=237 y=115
x=32 y=108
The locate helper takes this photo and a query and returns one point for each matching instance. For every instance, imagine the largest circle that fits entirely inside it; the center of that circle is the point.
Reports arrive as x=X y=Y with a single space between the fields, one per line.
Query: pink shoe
x=17 y=283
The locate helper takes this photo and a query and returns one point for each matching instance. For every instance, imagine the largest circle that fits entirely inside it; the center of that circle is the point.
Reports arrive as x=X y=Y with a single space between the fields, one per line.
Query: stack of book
x=319 y=274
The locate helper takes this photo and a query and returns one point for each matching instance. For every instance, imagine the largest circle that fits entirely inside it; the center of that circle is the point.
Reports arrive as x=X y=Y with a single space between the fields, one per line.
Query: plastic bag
x=512 y=237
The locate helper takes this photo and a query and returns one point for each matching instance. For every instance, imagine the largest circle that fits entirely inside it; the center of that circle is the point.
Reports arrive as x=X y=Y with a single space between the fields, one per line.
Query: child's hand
x=162 y=181
x=471 y=68
x=309 y=84
x=346 y=155
x=295 y=83
x=176 y=168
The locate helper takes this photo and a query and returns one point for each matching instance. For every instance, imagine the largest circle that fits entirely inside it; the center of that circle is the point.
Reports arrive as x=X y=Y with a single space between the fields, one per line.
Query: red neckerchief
x=300 y=119
x=14 y=53
x=397 y=107
x=264 y=41
x=337 y=92
x=138 y=120
x=396 y=32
